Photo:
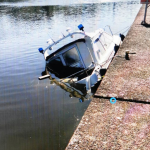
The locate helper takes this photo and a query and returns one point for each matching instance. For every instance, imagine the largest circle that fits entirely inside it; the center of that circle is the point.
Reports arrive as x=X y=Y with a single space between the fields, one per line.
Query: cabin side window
x=101 y=48
x=71 y=57
x=106 y=40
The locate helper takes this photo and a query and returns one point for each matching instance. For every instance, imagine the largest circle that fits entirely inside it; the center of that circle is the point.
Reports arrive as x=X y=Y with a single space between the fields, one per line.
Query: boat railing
x=109 y=29
x=64 y=37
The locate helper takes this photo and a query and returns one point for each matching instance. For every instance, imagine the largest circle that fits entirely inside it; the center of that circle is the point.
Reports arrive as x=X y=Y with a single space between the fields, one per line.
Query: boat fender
x=102 y=71
x=116 y=48
x=122 y=37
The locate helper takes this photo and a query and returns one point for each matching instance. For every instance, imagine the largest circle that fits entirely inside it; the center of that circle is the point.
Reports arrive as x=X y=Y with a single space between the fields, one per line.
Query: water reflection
x=40 y=12
x=12 y=1
x=74 y=89
x=58 y=2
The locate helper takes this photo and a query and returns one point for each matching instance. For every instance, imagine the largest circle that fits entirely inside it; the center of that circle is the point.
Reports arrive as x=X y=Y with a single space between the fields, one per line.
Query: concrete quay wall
x=125 y=124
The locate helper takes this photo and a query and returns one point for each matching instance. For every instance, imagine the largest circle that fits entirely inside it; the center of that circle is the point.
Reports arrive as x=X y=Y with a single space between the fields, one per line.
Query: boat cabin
x=70 y=59
x=83 y=58
x=81 y=55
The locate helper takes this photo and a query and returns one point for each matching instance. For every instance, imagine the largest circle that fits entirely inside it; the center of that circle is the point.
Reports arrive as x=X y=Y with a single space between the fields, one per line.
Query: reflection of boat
x=69 y=86
x=83 y=58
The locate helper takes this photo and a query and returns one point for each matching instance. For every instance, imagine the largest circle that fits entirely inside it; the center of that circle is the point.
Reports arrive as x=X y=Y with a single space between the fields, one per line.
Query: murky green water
x=37 y=115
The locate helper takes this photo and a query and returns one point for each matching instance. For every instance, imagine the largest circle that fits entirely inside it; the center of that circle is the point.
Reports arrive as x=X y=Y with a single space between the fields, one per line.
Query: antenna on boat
x=53 y=40
x=63 y=34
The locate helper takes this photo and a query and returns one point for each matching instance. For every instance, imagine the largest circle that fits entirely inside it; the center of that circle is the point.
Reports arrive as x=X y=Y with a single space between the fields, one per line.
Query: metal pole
x=143 y=22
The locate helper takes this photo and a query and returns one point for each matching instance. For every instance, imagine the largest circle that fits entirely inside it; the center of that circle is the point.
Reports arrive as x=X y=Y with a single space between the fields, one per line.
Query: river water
x=41 y=115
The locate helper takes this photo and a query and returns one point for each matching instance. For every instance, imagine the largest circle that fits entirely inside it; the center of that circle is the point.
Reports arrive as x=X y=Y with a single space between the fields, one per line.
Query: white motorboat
x=80 y=56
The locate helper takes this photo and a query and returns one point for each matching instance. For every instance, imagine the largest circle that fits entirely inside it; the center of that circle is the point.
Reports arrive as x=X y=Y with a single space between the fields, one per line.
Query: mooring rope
x=127 y=28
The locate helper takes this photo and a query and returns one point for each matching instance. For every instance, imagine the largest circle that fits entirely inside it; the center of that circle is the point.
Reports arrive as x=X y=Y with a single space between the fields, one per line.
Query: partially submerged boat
x=81 y=57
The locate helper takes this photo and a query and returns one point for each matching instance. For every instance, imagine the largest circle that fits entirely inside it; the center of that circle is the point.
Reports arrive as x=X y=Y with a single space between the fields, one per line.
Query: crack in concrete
x=122 y=99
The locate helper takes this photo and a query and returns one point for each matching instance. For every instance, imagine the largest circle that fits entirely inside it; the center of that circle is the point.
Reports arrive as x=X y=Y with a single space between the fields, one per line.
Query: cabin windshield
x=66 y=63
x=71 y=57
